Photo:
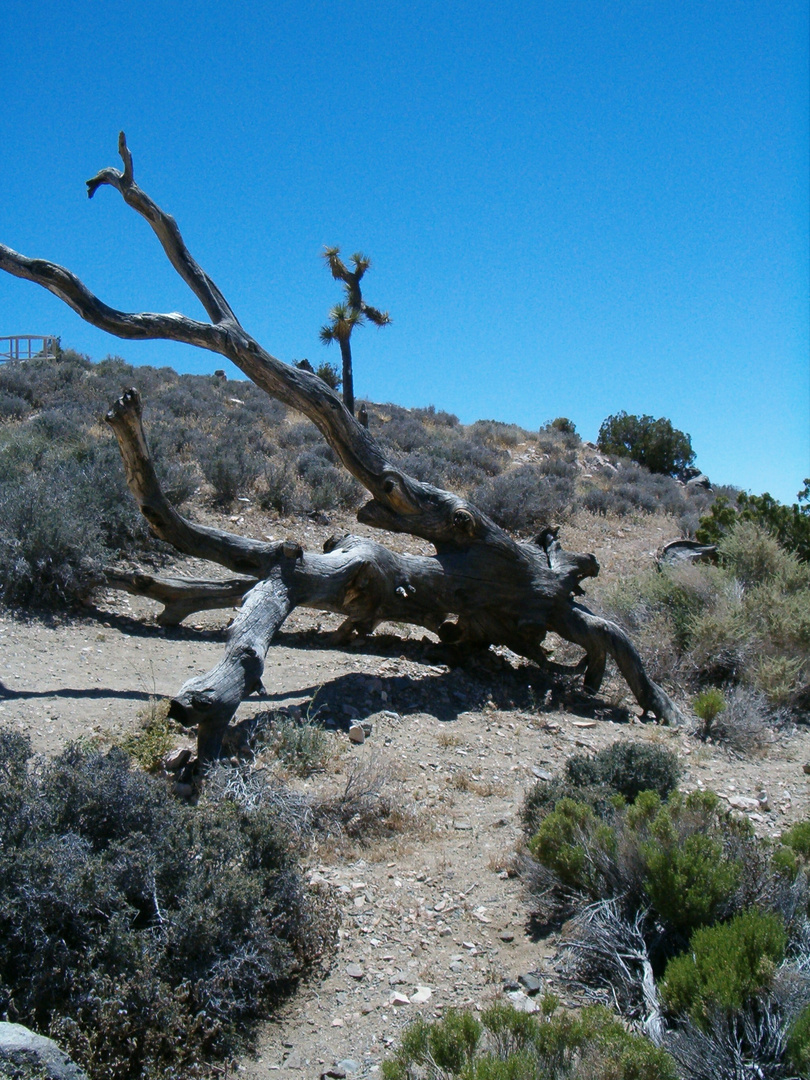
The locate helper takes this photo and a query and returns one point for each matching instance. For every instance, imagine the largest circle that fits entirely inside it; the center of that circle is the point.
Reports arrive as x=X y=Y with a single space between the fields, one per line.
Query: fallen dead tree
x=481 y=587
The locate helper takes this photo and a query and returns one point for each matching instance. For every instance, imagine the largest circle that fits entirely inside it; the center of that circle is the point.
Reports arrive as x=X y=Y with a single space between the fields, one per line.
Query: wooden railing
x=27 y=346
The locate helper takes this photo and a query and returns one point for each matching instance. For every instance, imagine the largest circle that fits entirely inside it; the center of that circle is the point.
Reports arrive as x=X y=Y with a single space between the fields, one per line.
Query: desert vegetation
x=697 y=928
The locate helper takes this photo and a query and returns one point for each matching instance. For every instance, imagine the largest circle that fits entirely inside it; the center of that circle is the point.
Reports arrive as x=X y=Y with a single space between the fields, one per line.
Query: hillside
x=425 y=851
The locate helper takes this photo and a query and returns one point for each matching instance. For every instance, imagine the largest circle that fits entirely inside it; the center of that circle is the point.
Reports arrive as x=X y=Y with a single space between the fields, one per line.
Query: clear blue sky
x=572 y=208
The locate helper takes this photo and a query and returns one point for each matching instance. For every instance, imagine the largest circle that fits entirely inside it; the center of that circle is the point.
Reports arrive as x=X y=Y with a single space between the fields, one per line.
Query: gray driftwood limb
x=481 y=587
x=180 y=596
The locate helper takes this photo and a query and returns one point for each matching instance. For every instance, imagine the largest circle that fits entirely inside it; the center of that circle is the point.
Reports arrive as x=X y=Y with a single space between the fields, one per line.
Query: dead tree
x=482 y=587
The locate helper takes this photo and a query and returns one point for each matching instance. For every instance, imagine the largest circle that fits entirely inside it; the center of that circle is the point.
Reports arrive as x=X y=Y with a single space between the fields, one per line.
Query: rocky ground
x=432 y=916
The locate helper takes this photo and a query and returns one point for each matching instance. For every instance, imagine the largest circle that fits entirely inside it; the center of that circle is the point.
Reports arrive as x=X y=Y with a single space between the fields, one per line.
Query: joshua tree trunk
x=481 y=587
x=348 y=374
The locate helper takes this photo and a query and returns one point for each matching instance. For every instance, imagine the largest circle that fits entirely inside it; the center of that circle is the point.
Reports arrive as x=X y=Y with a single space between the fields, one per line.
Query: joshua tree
x=480 y=587
x=352 y=312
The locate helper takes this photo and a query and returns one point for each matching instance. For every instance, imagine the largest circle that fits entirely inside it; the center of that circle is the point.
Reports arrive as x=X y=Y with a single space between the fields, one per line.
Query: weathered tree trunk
x=481 y=586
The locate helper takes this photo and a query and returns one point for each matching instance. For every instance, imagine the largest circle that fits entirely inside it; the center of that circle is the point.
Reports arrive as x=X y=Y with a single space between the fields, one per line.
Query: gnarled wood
x=481 y=587
x=180 y=596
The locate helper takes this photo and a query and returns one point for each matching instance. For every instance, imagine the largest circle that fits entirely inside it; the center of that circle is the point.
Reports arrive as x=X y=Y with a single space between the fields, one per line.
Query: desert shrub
x=558 y=466
x=303 y=747
x=430 y=415
x=656 y=444
x=299 y=434
x=51 y=547
x=797 y=838
x=325 y=486
x=329 y=374
x=726 y=966
x=278 y=491
x=524 y=499
x=230 y=467
x=154 y=737
x=707 y=707
x=559 y=844
x=707 y=626
x=496 y=433
x=789 y=525
x=627 y=768
x=690 y=876
x=745 y=721
x=506 y=1044
x=564 y=425
x=145 y=935
x=13 y=406
x=797 y=1049
x=680 y=858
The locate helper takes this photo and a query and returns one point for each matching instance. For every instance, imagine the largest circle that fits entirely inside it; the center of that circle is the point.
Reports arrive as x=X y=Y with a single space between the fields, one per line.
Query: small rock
x=354 y=971
x=422 y=994
x=399 y=999
x=522 y=1003
x=507 y=936
x=806 y=768
x=356 y=734
x=541 y=774
x=462 y=826
x=742 y=802
x=175 y=761
x=349 y=1065
x=530 y=983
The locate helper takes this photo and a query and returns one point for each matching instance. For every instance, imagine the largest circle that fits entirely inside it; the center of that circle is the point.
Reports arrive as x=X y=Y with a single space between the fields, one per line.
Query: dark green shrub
x=543 y=796
x=726 y=966
x=656 y=444
x=789 y=525
x=682 y=857
x=564 y=425
x=329 y=374
x=146 y=936
x=627 y=768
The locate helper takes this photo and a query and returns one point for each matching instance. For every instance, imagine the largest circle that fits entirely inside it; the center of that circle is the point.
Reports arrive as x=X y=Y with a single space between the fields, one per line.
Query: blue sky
x=571 y=208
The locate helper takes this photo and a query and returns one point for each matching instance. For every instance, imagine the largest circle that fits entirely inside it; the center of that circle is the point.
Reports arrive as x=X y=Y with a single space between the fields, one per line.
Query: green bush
x=679 y=857
x=509 y=1045
x=707 y=707
x=627 y=768
x=797 y=838
x=656 y=444
x=558 y=845
x=145 y=935
x=727 y=965
x=789 y=525
x=797 y=1051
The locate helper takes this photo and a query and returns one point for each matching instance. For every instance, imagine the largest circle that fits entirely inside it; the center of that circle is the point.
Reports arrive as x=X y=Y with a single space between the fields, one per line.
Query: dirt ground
x=431 y=918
